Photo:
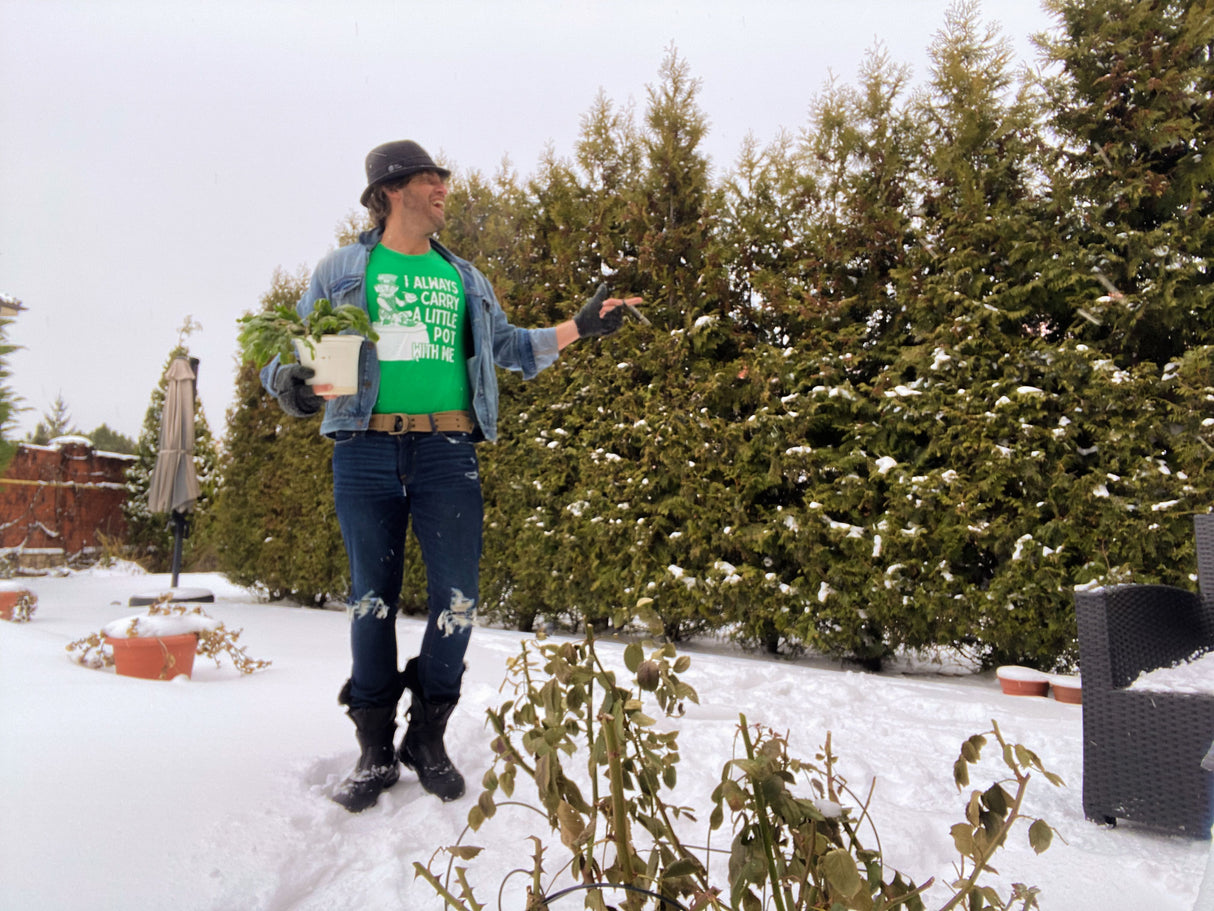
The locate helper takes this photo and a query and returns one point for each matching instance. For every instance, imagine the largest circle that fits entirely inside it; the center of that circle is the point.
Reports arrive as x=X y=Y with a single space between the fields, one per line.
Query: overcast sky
x=158 y=160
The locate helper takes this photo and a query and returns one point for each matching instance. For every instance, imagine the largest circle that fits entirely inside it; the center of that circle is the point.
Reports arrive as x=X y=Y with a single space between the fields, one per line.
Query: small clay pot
x=1067 y=689
x=10 y=600
x=1022 y=681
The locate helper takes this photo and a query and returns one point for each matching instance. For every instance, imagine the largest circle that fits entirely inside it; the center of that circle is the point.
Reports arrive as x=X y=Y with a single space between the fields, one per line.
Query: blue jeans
x=380 y=482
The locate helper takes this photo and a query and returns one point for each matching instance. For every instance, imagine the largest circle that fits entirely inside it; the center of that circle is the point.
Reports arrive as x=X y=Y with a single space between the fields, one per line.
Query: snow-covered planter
x=1022 y=681
x=1067 y=688
x=17 y=603
x=153 y=657
x=161 y=643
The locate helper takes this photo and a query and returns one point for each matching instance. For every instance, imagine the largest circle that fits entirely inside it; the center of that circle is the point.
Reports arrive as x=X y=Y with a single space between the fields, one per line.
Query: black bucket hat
x=397 y=159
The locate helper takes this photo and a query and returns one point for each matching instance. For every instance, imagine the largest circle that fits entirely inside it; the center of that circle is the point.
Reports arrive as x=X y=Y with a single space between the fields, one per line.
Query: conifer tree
x=566 y=239
x=1134 y=107
x=861 y=154
x=10 y=404
x=274 y=525
x=958 y=432
x=482 y=223
x=758 y=232
x=107 y=439
x=677 y=195
x=56 y=422
x=1130 y=107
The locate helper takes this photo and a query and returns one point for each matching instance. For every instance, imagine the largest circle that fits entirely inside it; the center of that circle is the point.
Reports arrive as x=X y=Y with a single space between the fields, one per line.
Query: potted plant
x=161 y=644
x=17 y=603
x=328 y=340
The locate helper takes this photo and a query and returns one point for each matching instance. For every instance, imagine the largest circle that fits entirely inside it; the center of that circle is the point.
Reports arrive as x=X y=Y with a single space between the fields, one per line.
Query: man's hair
x=378 y=204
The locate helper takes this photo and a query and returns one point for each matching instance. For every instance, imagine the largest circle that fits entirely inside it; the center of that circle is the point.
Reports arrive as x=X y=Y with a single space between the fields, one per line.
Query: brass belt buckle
x=400 y=425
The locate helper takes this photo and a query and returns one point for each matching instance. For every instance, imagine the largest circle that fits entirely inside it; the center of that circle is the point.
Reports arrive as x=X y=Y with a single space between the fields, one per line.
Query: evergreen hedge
x=913 y=375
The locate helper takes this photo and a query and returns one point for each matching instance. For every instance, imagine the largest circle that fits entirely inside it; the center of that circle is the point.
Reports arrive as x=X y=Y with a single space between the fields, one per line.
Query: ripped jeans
x=380 y=481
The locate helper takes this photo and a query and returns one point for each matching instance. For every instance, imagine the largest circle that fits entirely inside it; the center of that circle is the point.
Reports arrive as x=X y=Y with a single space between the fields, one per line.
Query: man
x=404 y=448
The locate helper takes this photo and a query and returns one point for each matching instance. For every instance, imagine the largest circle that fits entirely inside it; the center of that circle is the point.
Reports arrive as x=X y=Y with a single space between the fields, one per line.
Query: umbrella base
x=174 y=595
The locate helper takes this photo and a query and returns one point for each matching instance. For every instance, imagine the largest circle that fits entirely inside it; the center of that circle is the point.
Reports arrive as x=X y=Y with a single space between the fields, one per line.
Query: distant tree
x=108 y=440
x=56 y=422
x=10 y=404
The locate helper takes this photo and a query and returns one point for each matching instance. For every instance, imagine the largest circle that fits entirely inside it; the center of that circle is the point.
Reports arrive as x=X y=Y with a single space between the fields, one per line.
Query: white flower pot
x=335 y=361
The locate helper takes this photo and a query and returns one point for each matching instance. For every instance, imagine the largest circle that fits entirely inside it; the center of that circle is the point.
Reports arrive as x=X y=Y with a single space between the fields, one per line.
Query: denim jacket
x=340 y=276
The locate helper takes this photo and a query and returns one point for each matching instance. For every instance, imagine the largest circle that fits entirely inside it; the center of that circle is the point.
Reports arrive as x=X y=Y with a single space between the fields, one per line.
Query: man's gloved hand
x=294 y=395
x=590 y=321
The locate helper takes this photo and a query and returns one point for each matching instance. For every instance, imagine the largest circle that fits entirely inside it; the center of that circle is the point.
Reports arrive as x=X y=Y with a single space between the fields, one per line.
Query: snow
x=885 y=463
x=212 y=793
x=1023 y=674
x=70 y=440
x=1193 y=676
x=144 y=626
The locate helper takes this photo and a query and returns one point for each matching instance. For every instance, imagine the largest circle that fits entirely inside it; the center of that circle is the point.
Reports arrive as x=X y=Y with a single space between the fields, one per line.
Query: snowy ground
x=118 y=793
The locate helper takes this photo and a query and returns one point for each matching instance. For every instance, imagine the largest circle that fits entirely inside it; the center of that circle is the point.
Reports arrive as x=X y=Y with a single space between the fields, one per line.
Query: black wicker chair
x=1142 y=751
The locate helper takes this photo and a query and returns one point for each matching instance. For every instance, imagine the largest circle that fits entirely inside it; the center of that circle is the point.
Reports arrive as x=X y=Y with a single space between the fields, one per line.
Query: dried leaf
x=1040 y=835
x=963 y=839
x=840 y=871
x=573 y=826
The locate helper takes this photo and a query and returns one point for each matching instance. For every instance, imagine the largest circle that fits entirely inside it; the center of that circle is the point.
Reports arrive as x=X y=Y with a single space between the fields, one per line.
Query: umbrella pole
x=178 y=535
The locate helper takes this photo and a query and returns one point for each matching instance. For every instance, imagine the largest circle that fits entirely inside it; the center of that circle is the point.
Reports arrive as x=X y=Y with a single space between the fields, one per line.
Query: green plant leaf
x=1040 y=835
x=633 y=656
x=840 y=871
x=476 y=818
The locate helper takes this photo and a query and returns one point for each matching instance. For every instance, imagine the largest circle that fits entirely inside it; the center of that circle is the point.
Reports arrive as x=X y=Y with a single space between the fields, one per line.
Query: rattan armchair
x=1142 y=750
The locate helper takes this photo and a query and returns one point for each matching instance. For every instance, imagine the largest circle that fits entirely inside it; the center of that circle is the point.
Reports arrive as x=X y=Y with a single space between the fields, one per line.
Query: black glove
x=294 y=395
x=588 y=320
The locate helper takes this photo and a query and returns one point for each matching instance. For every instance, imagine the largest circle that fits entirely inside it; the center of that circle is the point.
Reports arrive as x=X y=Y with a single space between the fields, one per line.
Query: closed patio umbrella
x=174 y=483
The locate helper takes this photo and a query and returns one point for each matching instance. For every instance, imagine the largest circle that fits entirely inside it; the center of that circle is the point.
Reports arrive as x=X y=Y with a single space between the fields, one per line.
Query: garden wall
x=56 y=502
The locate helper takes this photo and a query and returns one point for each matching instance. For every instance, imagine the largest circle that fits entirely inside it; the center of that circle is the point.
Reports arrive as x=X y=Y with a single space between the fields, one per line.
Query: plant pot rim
x=1022 y=674
x=170 y=637
x=1065 y=680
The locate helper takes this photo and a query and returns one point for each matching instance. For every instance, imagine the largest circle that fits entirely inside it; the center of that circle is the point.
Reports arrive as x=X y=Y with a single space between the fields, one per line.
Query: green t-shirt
x=417 y=306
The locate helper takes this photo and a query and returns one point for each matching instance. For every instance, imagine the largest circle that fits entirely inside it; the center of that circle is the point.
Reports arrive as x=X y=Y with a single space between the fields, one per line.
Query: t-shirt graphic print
x=416 y=304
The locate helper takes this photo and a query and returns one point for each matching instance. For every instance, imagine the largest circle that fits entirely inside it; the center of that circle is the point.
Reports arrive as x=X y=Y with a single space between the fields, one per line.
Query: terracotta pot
x=9 y=600
x=1067 y=689
x=1022 y=681
x=154 y=658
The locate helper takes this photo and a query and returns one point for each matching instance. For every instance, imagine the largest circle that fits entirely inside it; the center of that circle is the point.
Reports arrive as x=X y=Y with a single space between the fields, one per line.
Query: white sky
x=160 y=159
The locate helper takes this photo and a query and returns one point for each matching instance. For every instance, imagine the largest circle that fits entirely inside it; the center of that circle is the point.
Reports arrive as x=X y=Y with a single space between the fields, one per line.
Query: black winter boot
x=377 y=768
x=422 y=748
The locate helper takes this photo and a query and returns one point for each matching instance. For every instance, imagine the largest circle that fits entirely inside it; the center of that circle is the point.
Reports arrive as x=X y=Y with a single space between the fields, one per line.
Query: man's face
x=422 y=201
